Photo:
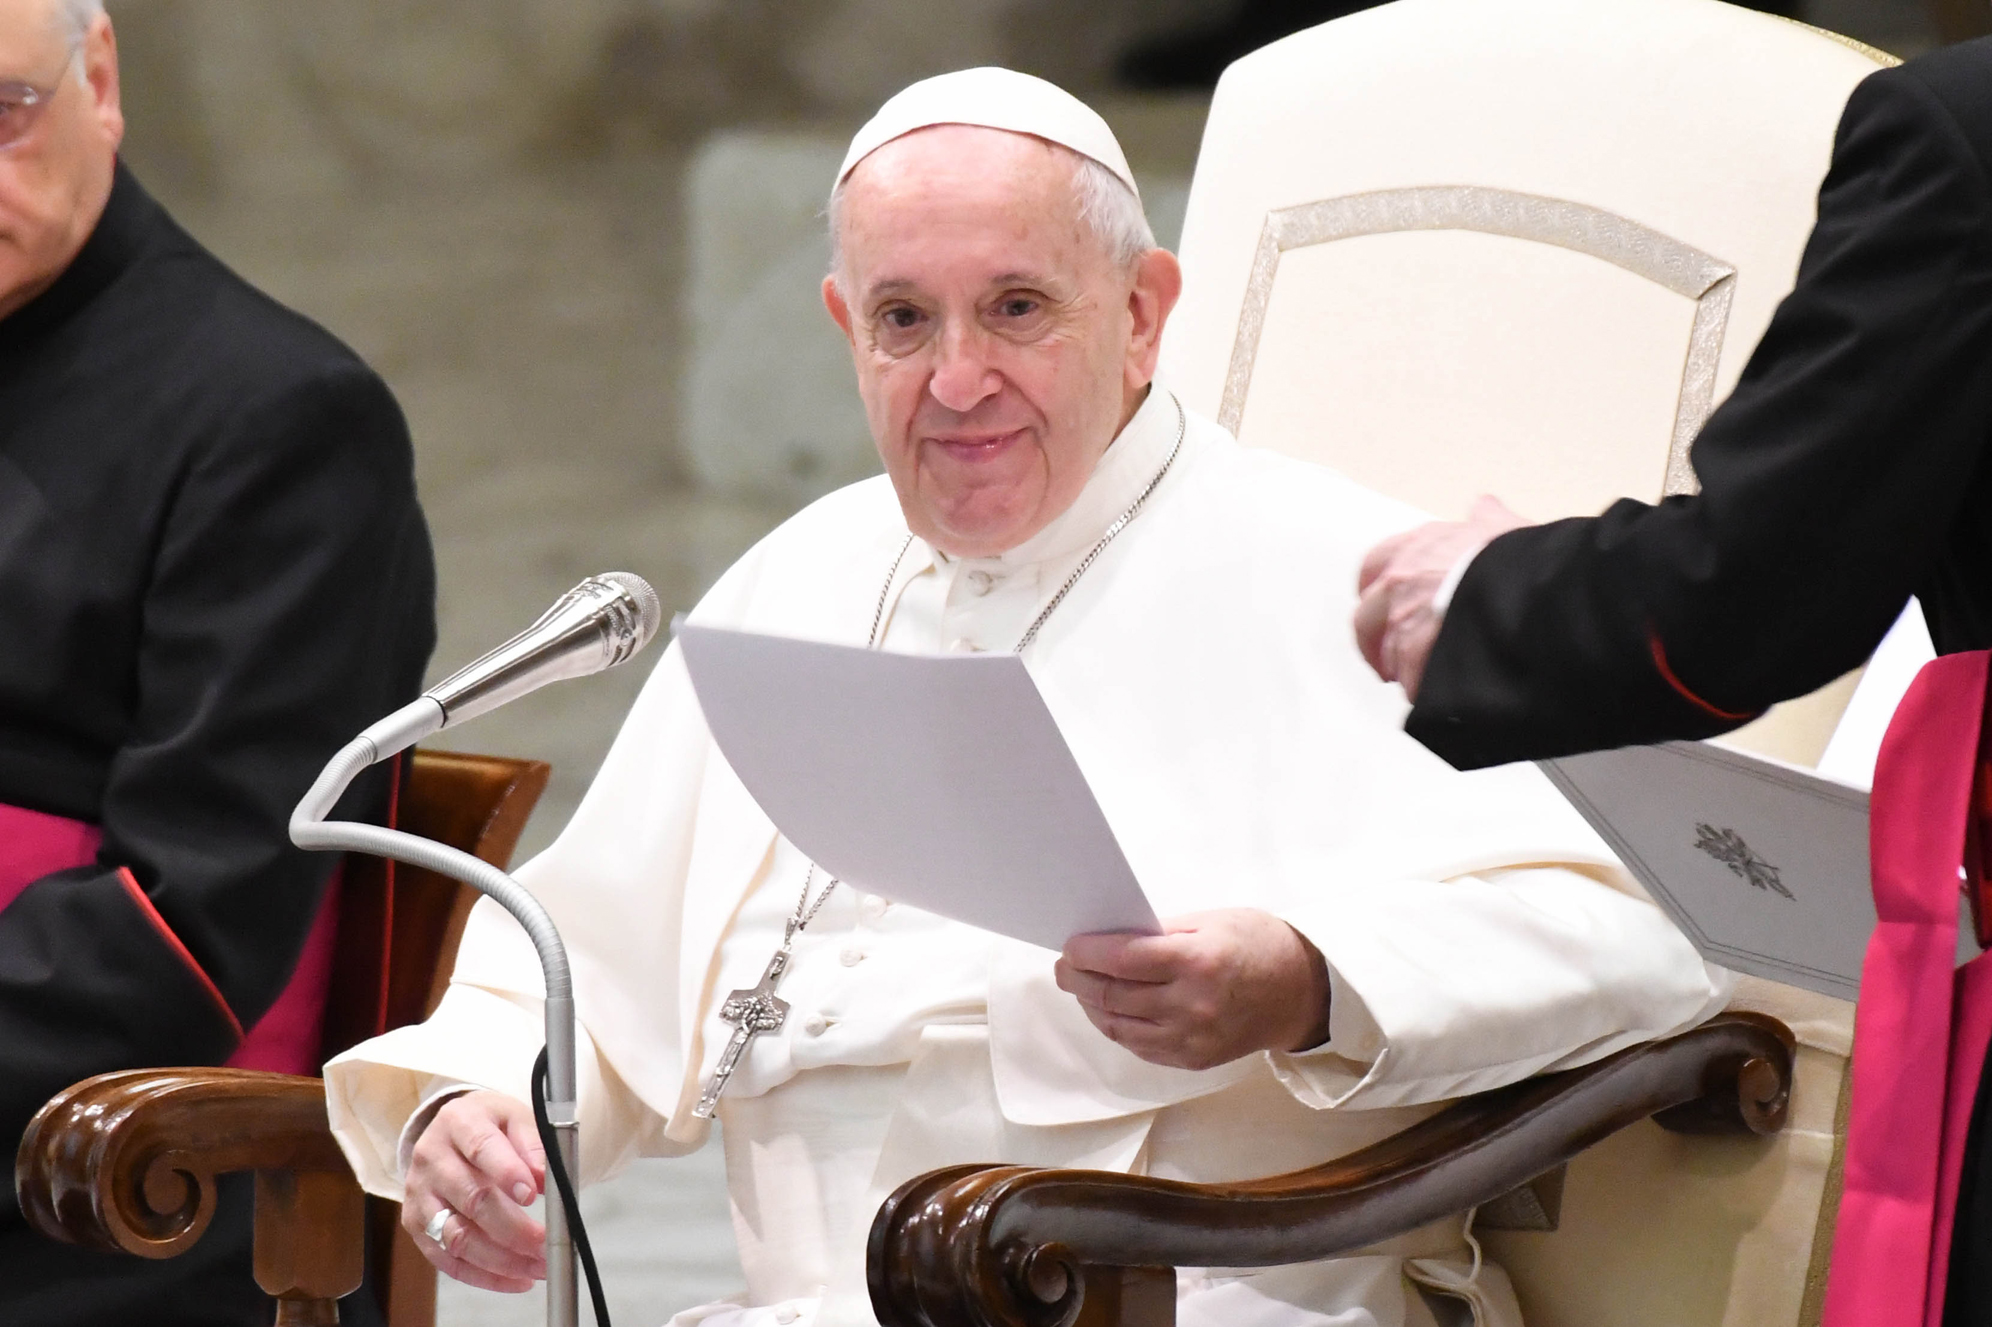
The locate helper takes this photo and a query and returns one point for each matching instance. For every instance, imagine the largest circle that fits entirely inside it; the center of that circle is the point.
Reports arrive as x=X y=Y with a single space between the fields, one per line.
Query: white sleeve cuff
x=1446 y=988
x=1443 y=596
x=1328 y=1075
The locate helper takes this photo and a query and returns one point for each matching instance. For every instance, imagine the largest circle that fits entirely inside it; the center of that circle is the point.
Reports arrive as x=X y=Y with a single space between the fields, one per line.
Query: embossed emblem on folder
x=1728 y=847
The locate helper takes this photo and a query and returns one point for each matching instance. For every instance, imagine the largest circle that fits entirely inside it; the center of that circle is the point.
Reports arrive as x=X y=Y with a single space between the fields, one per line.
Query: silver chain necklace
x=758 y=1009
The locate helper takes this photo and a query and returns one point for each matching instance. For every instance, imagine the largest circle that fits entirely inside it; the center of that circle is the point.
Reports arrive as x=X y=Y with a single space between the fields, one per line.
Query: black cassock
x=213 y=572
x=1850 y=469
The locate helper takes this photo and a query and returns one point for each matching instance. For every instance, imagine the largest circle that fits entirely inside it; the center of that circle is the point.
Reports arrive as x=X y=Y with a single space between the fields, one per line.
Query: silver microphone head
x=602 y=622
x=649 y=612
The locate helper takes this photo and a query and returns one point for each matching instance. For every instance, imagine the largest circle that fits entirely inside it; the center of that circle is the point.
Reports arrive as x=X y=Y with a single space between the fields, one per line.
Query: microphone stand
x=309 y=829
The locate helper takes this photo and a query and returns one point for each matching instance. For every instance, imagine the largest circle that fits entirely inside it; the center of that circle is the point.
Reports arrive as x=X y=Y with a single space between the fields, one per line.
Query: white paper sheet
x=938 y=781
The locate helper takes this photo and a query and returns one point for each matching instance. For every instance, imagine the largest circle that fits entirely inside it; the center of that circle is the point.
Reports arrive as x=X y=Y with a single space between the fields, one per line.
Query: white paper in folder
x=939 y=781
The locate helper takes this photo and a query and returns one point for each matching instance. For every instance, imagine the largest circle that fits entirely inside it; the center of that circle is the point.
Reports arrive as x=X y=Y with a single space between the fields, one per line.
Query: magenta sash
x=34 y=844
x=1922 y=1025
x=286 y=1039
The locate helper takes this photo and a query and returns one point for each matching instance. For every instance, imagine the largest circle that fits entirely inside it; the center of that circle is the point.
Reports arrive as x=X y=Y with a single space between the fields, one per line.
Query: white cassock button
x=872 y=908
x=787 y=1314
x=980 y=583
x=815 y=1025
x=960 y=645
x=852 y=956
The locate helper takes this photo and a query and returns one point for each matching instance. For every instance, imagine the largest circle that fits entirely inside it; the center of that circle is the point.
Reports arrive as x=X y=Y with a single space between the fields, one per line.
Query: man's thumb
x=1490 y=510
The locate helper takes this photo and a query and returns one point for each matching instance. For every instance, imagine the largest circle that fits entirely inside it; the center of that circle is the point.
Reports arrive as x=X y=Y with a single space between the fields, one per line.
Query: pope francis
x=1356 y=933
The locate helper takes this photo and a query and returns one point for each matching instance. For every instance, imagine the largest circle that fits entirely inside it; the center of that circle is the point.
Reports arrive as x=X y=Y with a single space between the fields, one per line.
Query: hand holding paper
x=1214 y=986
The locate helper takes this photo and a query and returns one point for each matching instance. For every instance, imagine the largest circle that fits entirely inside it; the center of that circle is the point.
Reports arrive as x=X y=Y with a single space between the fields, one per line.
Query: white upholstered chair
x=1524 y=246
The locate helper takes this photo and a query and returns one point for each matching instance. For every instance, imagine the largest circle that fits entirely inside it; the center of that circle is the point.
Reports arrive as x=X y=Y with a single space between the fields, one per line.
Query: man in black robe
x=213 y=572
x=1850 y=469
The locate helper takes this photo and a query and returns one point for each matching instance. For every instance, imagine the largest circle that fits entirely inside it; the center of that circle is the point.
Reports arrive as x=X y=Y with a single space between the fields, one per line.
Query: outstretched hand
x=480 y=1158
x=1396 y=622
x=1213 y=987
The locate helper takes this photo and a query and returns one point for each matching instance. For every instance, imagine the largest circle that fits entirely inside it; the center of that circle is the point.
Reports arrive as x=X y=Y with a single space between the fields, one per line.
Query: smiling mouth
x=976 y=449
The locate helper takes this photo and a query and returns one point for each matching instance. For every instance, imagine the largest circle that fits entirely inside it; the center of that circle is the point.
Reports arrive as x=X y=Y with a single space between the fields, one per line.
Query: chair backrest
x=1453 y=246
x=398 y=931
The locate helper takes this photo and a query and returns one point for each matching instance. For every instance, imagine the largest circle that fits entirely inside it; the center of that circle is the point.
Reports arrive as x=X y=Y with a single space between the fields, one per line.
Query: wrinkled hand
x=1214 y=986
x=1396 y=626
x=480 y=1157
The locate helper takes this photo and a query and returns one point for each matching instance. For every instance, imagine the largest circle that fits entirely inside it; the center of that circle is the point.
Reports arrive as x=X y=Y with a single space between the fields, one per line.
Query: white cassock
x=1476 y=931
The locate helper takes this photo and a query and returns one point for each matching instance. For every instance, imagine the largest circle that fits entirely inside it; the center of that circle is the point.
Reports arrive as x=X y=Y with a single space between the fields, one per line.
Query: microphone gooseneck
x=602 y=622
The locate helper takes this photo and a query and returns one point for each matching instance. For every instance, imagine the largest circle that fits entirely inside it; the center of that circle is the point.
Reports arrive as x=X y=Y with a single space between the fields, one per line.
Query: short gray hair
x=1113 y=211
x=1107 y=207
x=74 y=17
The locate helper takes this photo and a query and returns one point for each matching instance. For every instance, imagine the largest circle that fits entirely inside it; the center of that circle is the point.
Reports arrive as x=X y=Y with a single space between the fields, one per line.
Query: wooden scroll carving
x=1009 y=1246
x=127 y=1162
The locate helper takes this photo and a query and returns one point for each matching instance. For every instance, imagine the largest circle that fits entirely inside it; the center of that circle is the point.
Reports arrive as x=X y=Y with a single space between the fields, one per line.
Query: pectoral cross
x=751 y=1012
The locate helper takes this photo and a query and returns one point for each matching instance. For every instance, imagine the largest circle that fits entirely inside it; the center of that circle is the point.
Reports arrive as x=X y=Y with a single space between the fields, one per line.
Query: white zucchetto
x=993 y=98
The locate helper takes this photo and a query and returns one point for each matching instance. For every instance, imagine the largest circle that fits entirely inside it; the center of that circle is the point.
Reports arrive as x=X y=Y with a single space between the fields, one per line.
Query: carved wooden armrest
x=1009 y=1246
x=128 y=1161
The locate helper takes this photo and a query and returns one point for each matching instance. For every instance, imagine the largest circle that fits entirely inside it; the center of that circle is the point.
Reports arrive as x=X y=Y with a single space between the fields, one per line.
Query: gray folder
x=1763 y=865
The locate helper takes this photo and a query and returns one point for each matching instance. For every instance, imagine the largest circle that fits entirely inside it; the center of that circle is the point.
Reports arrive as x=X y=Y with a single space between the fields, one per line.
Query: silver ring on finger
x=439 y=1223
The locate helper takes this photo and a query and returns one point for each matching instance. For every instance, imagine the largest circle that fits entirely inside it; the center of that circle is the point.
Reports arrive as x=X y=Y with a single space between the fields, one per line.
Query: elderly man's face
x=999 y=348
x=55 y=177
